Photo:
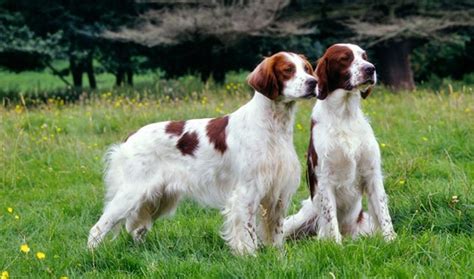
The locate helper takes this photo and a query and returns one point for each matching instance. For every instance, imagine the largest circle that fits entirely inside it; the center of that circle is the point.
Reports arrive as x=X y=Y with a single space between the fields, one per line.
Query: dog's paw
x=390 y=236
x=333 y=235
x=244 y=250
x=94 y=238
x=139 y=235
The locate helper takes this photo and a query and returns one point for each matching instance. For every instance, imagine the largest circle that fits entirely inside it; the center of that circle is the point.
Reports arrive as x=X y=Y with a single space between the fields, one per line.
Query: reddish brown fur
x=188 y=143
x=360 y=218
x=308 y=67
x=216 y=132
x=333 y=70
x=175 y=128
x=270 y=75
x=366 y=93
x=311 y=163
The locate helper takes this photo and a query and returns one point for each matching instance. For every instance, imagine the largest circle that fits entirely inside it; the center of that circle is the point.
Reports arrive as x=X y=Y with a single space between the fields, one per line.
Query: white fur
x=349 y=165
x=147 y=175
x=358 y=64
x=295 y=87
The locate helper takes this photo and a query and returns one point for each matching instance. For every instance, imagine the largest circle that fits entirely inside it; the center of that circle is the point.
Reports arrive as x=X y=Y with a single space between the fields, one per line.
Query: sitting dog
x=343 y=156
x=242 y=163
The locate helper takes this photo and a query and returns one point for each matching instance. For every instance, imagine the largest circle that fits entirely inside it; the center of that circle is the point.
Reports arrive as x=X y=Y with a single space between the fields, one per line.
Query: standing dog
x=241 y=163
x=343 y=155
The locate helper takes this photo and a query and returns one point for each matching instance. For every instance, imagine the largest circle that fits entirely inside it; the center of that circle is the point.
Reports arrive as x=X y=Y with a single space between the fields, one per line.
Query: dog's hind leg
x=302 y=223
x=365 y=225
x=140 y=222
x=116 y=210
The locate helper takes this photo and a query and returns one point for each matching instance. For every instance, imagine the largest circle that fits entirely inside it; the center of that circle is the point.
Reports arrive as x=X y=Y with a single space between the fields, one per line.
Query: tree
x=392 y=29
x=394 y=35
x=18 y=39
x=208 y=31
x=77 y=24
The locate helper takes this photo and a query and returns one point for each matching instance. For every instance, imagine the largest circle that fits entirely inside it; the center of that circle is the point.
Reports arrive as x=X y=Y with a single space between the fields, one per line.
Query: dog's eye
x=306 y=68
x=288 y=70
x=344 y=58
x=364 y=56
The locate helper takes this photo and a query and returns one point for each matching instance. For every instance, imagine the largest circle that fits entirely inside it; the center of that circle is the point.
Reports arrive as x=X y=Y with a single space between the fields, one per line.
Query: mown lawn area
x=51 y=193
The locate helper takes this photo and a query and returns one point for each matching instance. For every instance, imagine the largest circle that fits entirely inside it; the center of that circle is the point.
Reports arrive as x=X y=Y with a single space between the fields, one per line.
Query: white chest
x=340 y=145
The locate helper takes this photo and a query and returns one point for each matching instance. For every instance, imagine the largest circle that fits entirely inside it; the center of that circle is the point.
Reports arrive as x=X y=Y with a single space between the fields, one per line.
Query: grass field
x=52 y=193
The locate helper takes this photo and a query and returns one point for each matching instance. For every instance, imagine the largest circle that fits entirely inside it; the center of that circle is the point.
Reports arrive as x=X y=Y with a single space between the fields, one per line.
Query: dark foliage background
x=410 y=41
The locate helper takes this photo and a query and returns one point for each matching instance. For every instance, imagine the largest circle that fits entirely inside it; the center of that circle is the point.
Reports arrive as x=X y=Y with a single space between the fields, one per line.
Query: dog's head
x=284 y=76
x=345 y=66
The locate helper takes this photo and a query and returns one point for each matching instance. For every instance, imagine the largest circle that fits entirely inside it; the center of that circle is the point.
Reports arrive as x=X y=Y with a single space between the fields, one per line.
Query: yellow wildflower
x=467 y=110
x=299 y=126
x=10 y=210
x=40 y=255
x=63 y=277
x=401 y=182
x=383 y=145
x=24 y=248
x=17 y=217
x=424 y=138
x=454 y=199
x=5 y=275
x=18 y=109
x=58 y=130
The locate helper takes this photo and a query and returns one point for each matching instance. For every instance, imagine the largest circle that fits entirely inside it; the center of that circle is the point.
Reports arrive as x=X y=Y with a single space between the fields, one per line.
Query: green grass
x=46 y=81
x=51 y=178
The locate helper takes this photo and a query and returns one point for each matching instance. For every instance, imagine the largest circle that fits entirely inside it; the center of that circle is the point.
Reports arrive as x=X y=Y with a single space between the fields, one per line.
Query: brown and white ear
x=366 y=93
x=263 y=79
x=322 y=76
x=308 y=65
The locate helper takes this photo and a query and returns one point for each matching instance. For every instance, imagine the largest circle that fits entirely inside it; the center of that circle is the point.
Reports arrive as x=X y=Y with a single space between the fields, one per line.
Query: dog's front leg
x=273 y=215
x=239 y=228
x=325 y=203
x=378 y=203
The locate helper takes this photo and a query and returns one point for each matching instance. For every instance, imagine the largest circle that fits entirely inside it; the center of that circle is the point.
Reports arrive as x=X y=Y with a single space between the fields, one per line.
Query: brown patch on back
x=188 y=143
x=269 y=76
x=216 y=132
x=333 y=70
x=175 y=128
x=312 y=162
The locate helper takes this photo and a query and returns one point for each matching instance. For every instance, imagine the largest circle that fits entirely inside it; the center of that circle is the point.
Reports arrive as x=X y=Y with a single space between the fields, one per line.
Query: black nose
x=369 y=70
x=311 y=83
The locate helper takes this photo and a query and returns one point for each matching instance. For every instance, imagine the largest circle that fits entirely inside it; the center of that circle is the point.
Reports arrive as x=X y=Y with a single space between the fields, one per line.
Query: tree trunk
x=394 y=67
x=129 y=76
x=89 y=68
x=219 y=76
x=119 y=76
x=205 y=74
x=76 y=71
